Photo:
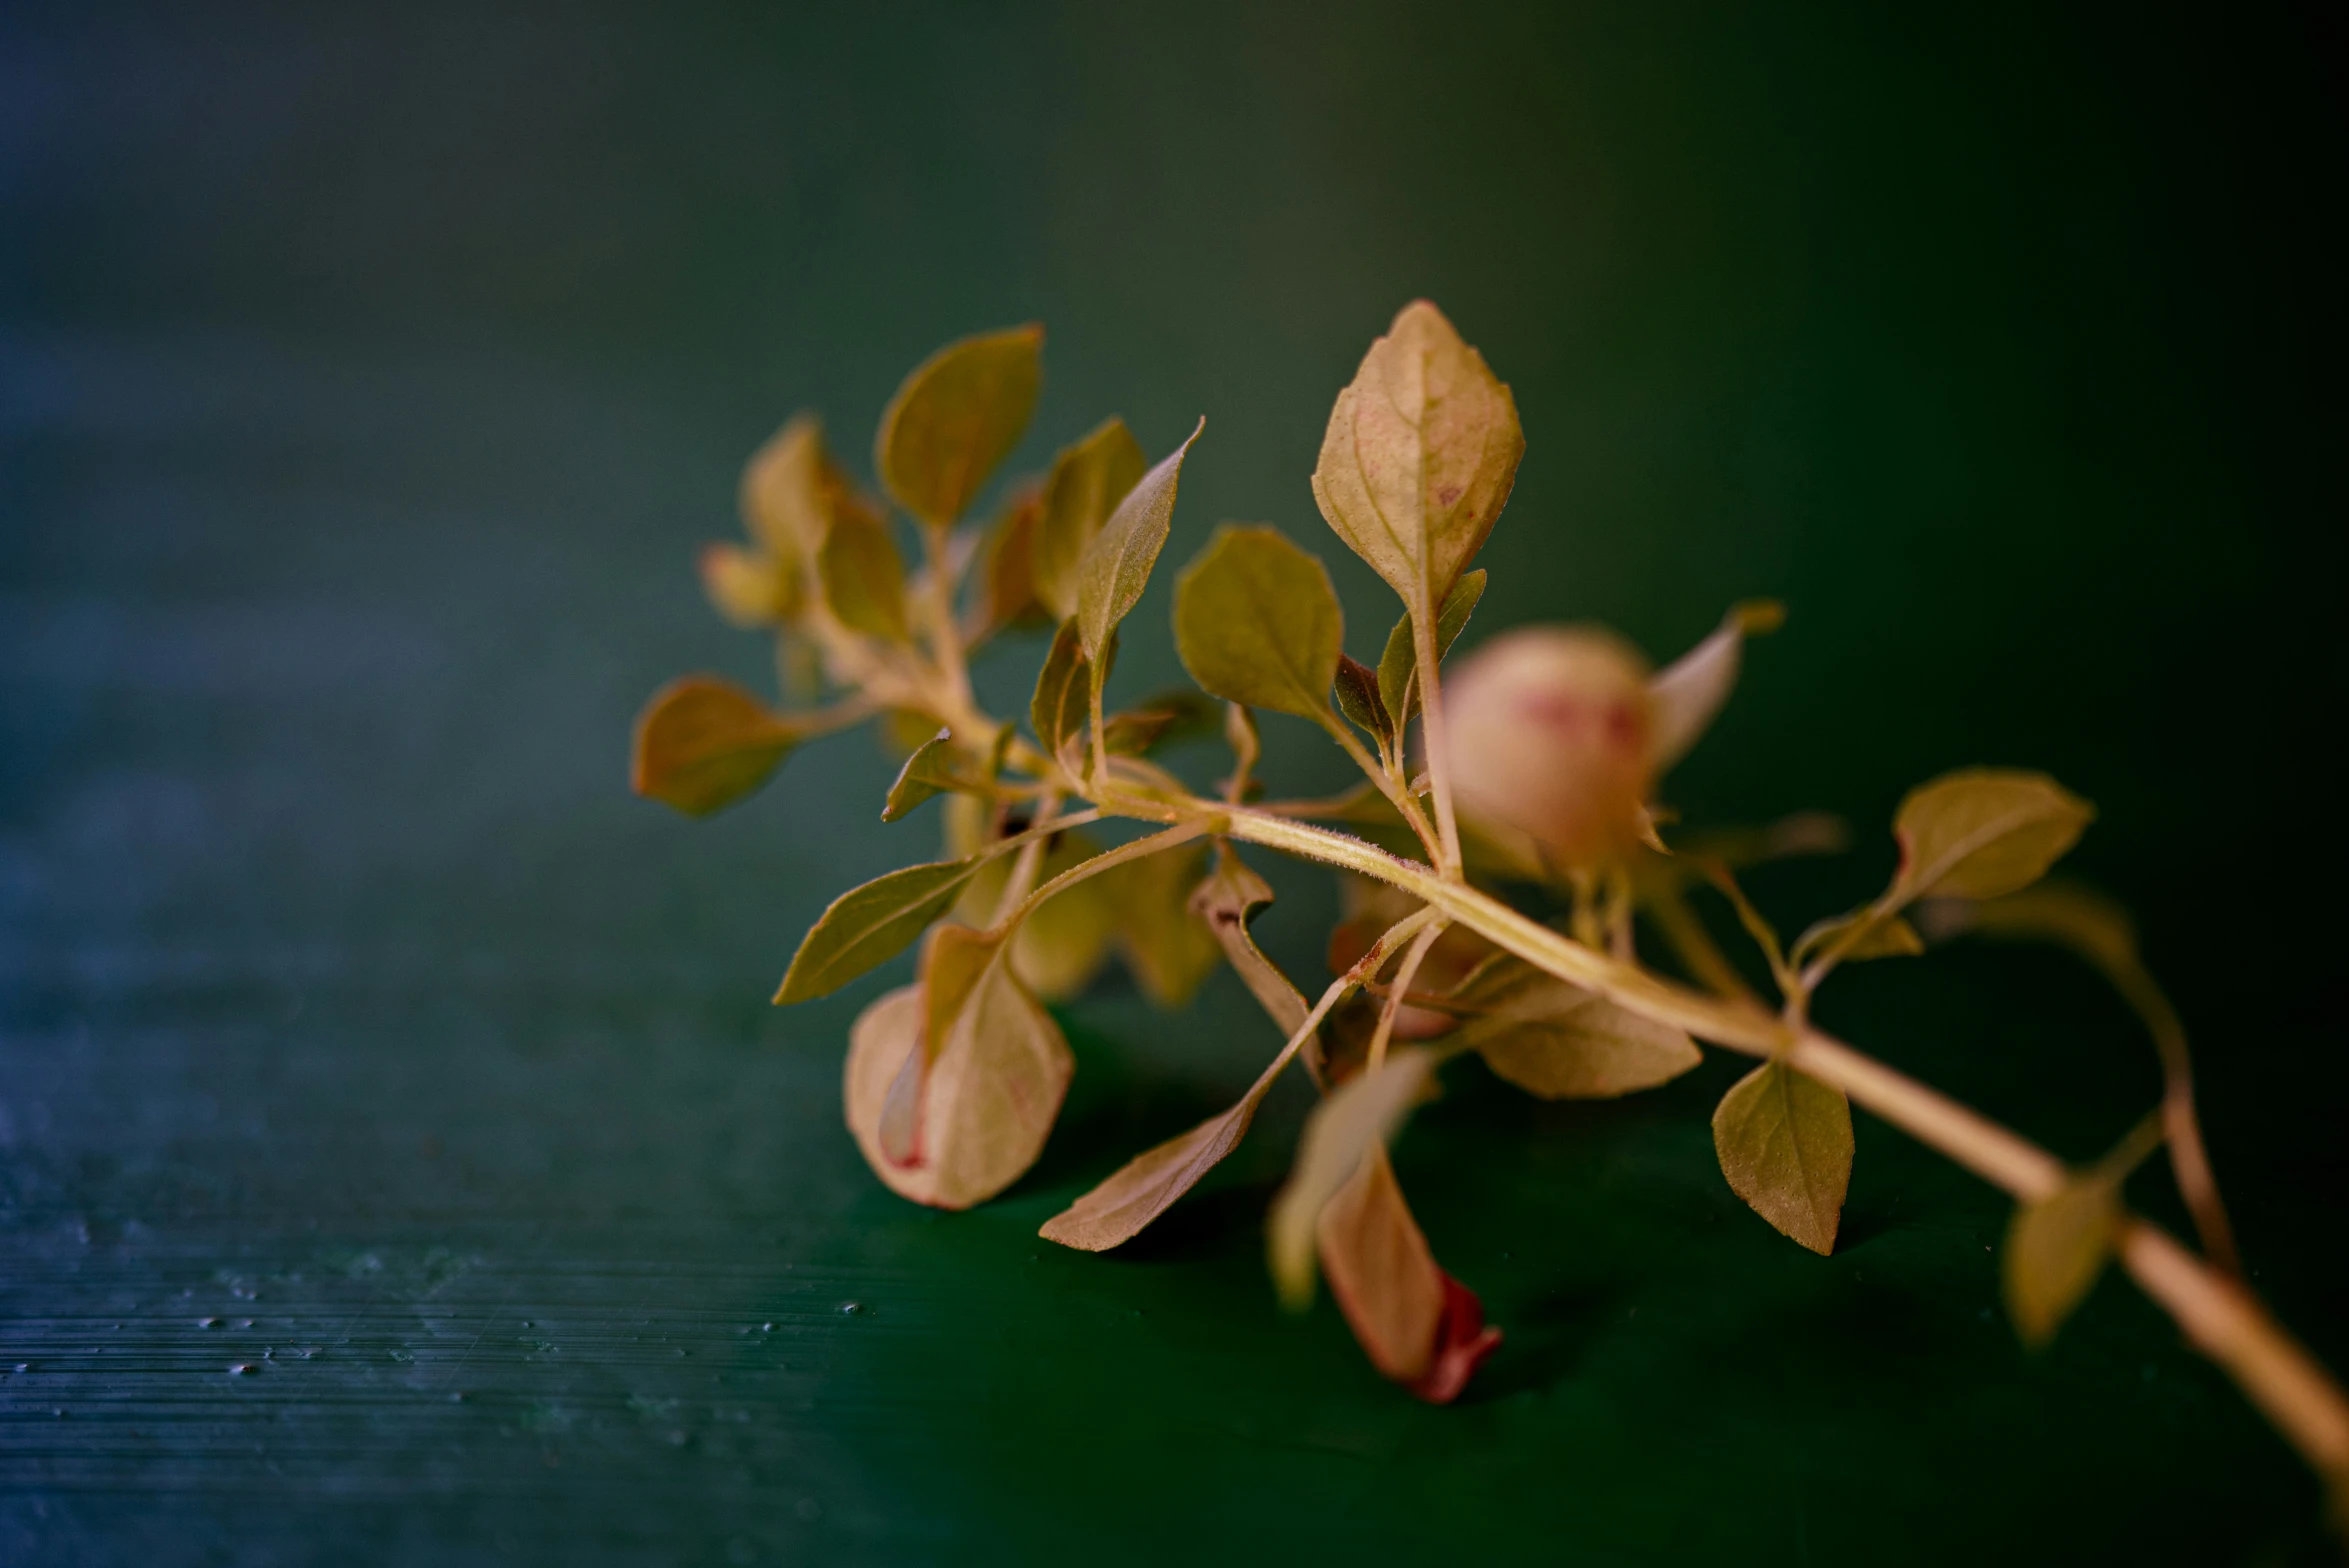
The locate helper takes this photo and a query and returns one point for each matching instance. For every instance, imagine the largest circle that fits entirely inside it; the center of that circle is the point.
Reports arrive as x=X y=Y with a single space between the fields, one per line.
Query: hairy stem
x=1405 y=973
x=1385 y=782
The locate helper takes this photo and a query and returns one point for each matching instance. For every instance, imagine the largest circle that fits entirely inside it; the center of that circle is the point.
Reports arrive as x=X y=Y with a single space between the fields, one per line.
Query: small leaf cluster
x=1530 y=777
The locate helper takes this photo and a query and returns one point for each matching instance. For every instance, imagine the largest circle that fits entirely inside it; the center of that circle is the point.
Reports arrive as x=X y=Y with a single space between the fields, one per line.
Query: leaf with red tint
x=1463 y=1340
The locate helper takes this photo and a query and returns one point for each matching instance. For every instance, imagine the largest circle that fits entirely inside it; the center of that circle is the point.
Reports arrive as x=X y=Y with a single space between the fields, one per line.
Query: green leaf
x=1227 y=901
x=1419 y=456
x=1061 y=706
x=1169 y=950
x=1116 y=565
x=1088 y=481
x=2055 y=1248
x=1355 y=1117
x=864 y=581
x=955 y=418
x=1983 y=832
x=1686 y=696
x=1257 y=622
x=703 y=743
x=872 y=924
x=1162 y=720
x=1398 y=666
x=1562 y=1042
x=931 y=770
x=1785 y=1143
x=1358 y=699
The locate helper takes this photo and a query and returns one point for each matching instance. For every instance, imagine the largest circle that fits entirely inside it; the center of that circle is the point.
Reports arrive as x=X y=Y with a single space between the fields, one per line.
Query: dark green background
x=368 y=376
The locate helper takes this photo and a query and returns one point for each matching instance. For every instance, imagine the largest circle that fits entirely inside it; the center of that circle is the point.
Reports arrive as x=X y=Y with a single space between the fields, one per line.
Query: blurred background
x=369 y=376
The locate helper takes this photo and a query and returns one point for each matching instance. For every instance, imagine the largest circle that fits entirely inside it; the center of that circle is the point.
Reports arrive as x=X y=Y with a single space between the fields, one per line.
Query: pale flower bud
x=1549 y=730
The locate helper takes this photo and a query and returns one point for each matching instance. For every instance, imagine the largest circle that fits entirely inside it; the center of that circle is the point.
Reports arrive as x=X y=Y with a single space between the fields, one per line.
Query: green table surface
x=368 y=377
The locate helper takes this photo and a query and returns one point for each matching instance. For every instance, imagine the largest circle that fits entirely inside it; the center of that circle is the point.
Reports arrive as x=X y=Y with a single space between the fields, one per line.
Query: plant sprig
x=1538 y=767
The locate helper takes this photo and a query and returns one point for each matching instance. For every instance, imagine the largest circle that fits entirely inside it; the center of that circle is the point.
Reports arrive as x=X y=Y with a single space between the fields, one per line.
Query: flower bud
x=747 y=588
x=1549 y=730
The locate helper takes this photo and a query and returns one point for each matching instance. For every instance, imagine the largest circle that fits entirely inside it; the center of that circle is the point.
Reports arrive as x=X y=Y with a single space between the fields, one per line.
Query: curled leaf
x=1116 y=565
x=955 y=418
x=929 y=771
x=1419 y=456
x=1983 y=832
x=1419 y=1326
x=1162 y=720
x=1088 y=481
x=1061 y=707
x=997 y=1069
x=1785 y=1143
x=1356 y=689
x=703 y=743
x=1227 y=901
x=1562 y=1042
x=1689 y=693
x=1878 y=936
x=1398 y=666
x=1257 y=622
x=872 y=924
x=1358 y=1115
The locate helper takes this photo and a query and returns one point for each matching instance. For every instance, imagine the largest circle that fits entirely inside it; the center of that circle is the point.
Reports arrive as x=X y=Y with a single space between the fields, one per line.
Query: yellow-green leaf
x=703 y=743
x=1169 y=950
x=1088 y=481
x=2055 y=1248
x=935 y=767
x=1785 y=1143
x=1686 y=696
x=1257 y=622
x=872 y=924
x=864 y=581
x=1359 y=1114
x=1419 y=456
x=749 y=588
x=1116 y=565
x=955 y=418
x=1398 y=666
x=789 y=488
x=1880 y=936
x=1061 y=706
x=1562 y=1042
x=1983 y=832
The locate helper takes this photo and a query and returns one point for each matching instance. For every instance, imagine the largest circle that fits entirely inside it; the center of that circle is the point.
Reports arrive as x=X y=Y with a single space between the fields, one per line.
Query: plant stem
x=1181 y=832
x=2222 y=1319
x=945 y=634
x=1405 y=973
x=1432 y=731
x=1385 y=783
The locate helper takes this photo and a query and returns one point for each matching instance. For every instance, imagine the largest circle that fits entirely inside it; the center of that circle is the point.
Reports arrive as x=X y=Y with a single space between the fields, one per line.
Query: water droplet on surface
x=766 y=1328
x=457 y=1398
x=207 y=1322
x=849 y=1309
x=244 y=1368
